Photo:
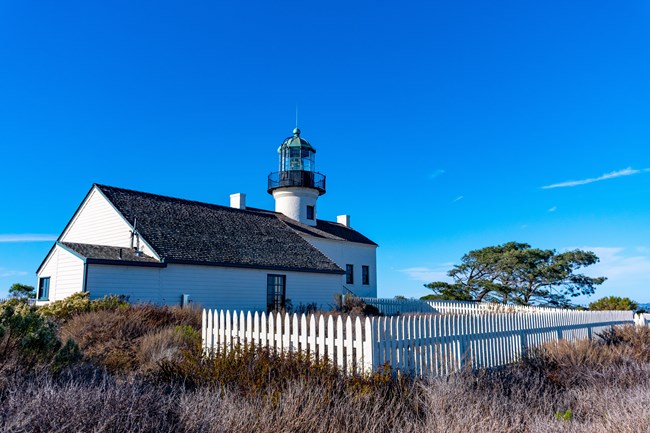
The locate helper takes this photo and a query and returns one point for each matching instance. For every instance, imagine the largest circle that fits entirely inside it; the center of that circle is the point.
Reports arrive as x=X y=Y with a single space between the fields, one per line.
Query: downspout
x=85 y=278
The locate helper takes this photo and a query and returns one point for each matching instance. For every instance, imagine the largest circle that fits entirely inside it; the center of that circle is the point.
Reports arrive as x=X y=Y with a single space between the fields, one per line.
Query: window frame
x=39 y=291
x=272 y=297
x=365 y=275
x=311 y=210
x=349 y=274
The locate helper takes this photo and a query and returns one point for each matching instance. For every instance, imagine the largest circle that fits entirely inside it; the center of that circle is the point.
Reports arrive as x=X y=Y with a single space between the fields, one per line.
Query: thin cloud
x=426 y=275
x=553 y=209
x=4 y=273
x=620 y=267
x=460 y=197
x=436 y=174
x=29 y=237
x=612 y=175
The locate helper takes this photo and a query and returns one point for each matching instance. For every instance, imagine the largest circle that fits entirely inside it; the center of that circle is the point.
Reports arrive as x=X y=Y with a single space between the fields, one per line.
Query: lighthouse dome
x=296 y=141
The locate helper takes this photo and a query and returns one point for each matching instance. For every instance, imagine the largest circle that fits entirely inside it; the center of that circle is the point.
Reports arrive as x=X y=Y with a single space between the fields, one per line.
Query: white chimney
x=343 y=219
x=238 y=200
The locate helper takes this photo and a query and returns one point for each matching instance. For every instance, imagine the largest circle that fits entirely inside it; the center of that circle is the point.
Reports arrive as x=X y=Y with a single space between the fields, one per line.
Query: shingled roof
x=191 y=232
x=103 y=253
x=328 y=230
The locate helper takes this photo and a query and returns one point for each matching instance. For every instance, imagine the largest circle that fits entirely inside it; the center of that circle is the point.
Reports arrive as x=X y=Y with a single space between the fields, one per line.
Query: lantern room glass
x=295 y=158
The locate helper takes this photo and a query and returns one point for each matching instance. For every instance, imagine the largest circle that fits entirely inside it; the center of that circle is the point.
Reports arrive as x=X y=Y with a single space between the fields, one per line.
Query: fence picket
x=349 y=346
x=302 y=333
x=310 y=333
x=330 y=339
x=339 y=343
x=321 y=338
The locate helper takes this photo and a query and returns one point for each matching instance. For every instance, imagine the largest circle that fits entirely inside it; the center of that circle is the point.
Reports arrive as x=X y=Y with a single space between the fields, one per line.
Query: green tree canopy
x=614 y=303
x=515 y=273
x=22 y=291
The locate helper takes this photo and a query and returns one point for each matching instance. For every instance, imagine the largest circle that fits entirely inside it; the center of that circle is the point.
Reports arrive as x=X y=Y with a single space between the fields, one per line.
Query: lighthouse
x=297 y=185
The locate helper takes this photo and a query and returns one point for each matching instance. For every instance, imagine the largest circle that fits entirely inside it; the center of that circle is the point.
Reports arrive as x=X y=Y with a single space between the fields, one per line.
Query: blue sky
x=442 y=126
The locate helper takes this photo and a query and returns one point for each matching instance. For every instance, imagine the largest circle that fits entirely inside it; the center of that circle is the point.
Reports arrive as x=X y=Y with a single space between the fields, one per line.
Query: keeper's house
x=166 y=250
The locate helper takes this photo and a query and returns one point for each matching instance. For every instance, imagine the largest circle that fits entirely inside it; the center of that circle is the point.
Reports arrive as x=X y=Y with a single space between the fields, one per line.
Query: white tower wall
x=293 y=202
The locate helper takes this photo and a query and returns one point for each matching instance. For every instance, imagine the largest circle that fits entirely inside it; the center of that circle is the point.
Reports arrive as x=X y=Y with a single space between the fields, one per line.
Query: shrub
x=165 y=345
x=632 y=341
x=309 y=308
x=27 y=340
x=614 y=303
x=78 y=303
x=114 y=339
x=620 y=356
x=253 y=370
x=354 y=306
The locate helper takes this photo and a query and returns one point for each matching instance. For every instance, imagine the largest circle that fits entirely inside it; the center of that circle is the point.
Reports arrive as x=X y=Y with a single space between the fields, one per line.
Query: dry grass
x=134 y=339
x=601 y=386
x=620 y=357
x=511 y=401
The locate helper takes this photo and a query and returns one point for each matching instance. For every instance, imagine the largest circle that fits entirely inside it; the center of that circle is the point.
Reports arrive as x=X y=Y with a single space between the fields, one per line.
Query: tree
x=614 y=303
x=515 y=273
x=22 y=291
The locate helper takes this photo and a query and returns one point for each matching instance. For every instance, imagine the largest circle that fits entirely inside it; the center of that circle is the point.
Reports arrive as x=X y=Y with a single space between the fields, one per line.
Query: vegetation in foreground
x=106 y=366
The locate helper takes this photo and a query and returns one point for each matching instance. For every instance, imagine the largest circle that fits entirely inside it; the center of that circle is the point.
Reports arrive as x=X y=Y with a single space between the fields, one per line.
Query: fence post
x=205 y=330
x=639 y=320
x=523 y=344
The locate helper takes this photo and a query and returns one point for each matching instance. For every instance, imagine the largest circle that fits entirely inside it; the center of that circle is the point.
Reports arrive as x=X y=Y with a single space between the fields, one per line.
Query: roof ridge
x=247 y=209
x=184 y=200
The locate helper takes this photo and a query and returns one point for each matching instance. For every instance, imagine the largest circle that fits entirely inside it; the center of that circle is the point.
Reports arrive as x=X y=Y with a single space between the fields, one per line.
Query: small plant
x=565 y=416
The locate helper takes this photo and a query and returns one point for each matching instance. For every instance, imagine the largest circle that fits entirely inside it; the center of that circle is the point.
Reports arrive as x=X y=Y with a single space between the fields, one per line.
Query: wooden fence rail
x=422 y=344
x=392 y=307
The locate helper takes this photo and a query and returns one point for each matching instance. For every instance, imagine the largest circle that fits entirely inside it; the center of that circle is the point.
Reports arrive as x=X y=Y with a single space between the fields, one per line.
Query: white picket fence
x=393 y=307
x=423 y=344
x=642 y=319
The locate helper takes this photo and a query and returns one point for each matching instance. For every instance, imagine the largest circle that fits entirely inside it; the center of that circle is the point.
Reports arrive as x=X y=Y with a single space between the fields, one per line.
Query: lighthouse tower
x=297 y=185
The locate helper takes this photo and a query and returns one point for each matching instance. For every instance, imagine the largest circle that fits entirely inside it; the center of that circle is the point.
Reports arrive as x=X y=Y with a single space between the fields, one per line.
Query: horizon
x=441 y=128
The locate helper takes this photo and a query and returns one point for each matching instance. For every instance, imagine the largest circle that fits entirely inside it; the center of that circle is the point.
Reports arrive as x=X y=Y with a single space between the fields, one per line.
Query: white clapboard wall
x=419 y=344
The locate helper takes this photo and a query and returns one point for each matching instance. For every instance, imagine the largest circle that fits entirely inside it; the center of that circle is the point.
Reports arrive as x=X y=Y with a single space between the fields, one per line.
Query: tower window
x=43 y=289
x=276 y=292
x=365 y=275
x=349 y=274
x=310 y=212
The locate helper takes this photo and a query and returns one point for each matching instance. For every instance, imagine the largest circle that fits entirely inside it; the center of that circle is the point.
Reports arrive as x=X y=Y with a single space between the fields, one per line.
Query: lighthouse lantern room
x=297 y=185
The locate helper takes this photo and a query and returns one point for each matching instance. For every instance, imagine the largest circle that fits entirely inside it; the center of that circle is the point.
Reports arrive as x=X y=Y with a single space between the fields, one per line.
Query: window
x=43 y=289
x=365 y=275
x=349 y=274
x=310 y=212
x=276 y=291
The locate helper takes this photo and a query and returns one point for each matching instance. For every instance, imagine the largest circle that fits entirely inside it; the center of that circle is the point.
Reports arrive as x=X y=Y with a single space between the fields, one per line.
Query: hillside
x=106 y=366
